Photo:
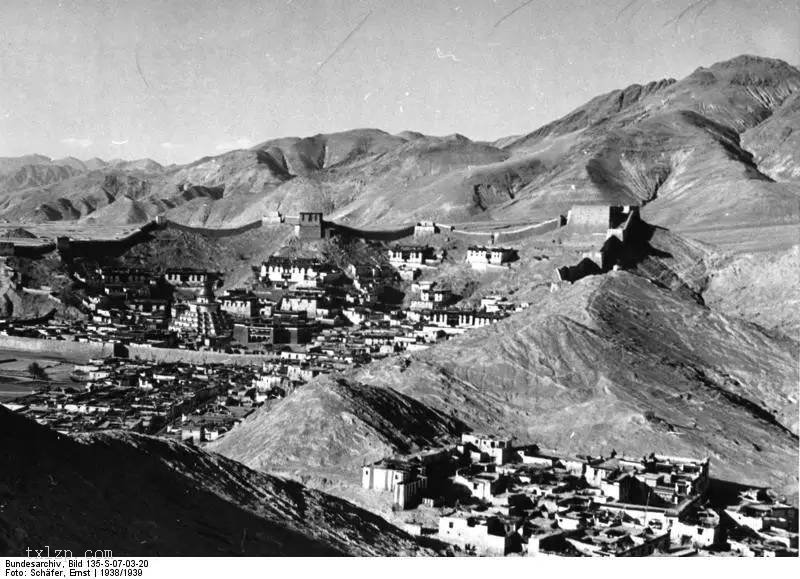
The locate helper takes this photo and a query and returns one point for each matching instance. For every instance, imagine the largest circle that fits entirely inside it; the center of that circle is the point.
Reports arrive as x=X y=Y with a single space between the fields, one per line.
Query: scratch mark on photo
x=510 y=14
x=676 y=20
x=343 y=42
x=139 y=69
x=624 y=8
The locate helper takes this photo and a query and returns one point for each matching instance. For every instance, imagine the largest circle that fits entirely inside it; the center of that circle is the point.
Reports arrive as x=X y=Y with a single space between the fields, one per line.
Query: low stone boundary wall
x=58 y=348
x=81 y=351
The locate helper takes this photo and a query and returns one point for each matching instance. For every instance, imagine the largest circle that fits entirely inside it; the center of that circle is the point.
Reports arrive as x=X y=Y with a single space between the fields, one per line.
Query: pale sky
x=216 y=75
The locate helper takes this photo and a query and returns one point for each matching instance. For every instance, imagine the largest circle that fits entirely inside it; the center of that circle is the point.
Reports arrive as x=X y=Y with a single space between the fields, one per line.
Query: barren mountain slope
x=599 y=109
x=738 y=93
x=673 y=145
x=233 y=256
x=301 y=156
x=333 y=422
x=11 y=164
x=763 y=288
x=775 y=143
x=611 y=362
x=30 y=176
x=73 y=197
x=138 y=495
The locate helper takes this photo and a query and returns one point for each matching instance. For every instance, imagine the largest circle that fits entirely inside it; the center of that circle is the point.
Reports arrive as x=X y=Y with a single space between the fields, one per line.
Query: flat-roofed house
x=498 y=449
x=410 y=254
x=481 y=258
x=487 y=535
x=185 y=276
x=240 y=305
x=297 y=271
x=404 y=479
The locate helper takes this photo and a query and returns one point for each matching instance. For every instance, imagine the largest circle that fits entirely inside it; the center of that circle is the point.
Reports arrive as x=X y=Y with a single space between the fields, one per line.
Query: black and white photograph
x=514 y=282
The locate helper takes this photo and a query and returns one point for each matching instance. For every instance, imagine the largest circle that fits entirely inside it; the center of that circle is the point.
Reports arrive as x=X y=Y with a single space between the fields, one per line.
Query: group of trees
x=37 y=372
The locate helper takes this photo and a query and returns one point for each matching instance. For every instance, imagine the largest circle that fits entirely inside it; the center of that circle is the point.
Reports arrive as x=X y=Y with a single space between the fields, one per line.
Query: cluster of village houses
x=487 y=496
x=301 y=317
x=190 y=402
x=292 y=303
x=296 y=300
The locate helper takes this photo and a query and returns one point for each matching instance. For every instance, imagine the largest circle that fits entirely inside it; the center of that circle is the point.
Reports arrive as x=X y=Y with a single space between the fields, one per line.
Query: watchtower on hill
x=309 y=226
x=602 y=221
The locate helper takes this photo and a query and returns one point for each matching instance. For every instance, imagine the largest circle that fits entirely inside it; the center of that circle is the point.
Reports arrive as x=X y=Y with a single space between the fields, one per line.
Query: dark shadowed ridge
x=138 y=495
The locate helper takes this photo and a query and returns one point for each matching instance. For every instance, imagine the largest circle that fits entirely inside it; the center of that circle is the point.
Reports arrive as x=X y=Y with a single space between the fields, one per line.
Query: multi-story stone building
x=203 y=317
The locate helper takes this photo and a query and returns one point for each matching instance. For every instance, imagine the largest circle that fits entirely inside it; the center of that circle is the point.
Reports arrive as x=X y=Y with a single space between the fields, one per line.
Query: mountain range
x=715 y=149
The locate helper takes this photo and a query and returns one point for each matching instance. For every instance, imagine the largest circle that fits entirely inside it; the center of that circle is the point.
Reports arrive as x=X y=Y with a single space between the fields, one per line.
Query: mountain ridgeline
x=715 y=148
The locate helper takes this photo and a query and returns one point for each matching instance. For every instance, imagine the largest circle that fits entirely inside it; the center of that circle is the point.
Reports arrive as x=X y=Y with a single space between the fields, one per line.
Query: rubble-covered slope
x=137 y=495
x=775 y=143
x=763 y=288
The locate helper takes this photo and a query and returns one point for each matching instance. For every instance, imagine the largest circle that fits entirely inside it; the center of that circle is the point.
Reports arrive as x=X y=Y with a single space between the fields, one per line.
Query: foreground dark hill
x=137 y=495
x=611 y=362
x=715 y=149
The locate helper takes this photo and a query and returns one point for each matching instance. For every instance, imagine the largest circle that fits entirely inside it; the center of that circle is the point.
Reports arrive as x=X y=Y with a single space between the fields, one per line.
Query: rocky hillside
x=137 y=495
x=233 y=256
x=674 y=146
x=611 y=362
x=764 y=289
x=775 y=142
x=335 y=423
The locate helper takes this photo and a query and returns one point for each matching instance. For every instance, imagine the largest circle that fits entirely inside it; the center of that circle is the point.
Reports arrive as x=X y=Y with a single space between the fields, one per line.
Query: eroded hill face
x=138 y=495
x=764 y=289
x=672 y=146
x=331 y=425
x=775 y=142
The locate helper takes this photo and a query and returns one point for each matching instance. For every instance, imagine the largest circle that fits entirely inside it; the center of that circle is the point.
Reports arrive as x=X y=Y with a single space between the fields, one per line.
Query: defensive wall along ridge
x=318 y=228
x=498 y=235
